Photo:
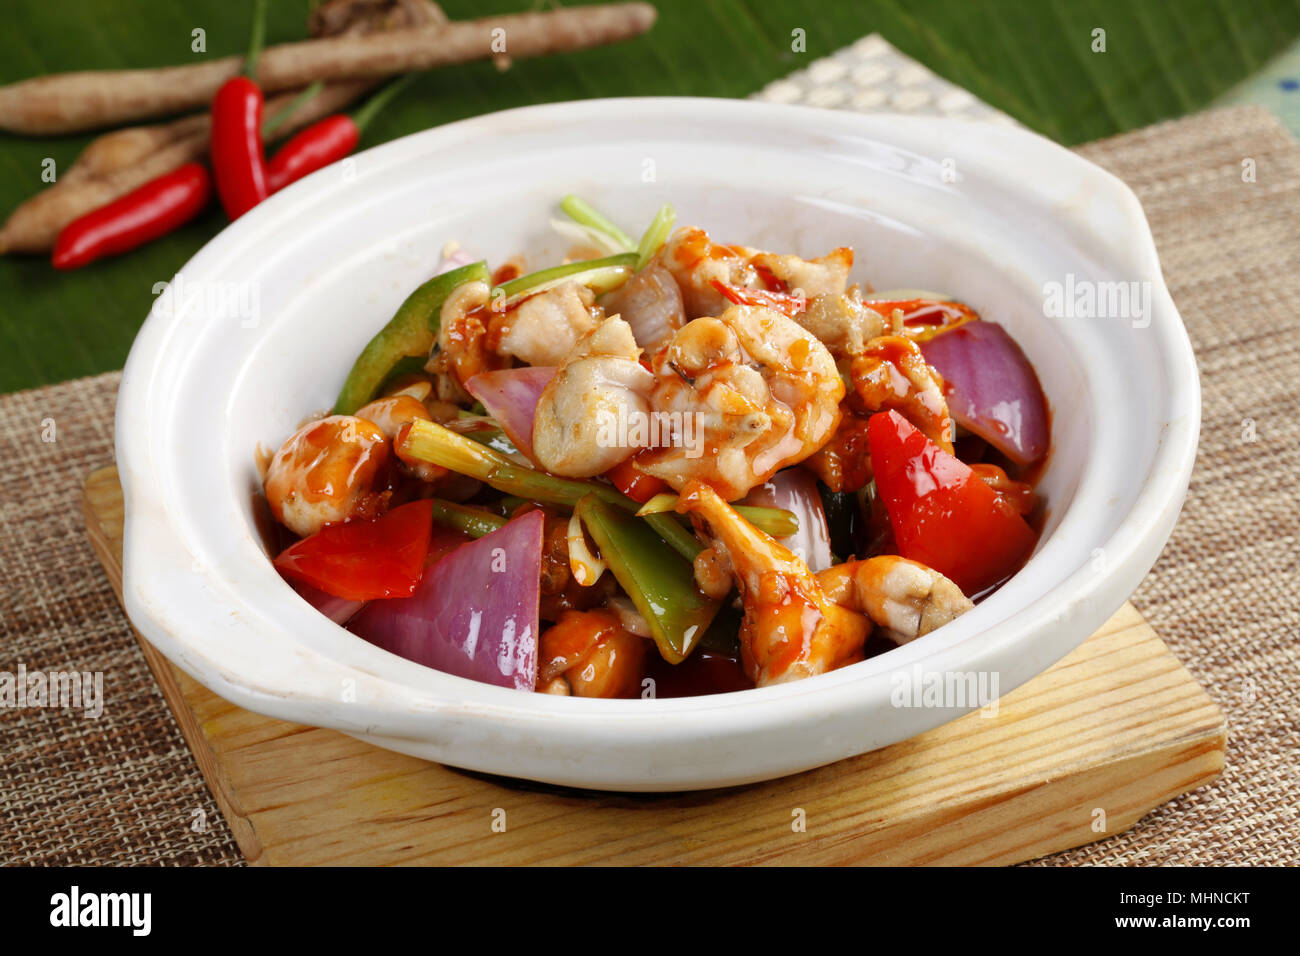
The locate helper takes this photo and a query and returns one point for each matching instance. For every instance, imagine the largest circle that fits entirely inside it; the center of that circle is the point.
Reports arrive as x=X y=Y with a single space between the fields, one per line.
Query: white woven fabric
x=873 y=76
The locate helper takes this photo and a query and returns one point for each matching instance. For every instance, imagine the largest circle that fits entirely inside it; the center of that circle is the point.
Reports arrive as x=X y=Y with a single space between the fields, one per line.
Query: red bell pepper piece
x=635 y=483
x=365 y=560
x=942 y=513
x=142 y=215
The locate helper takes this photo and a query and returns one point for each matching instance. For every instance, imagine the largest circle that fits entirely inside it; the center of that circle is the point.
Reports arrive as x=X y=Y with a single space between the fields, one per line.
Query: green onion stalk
x=439 y=445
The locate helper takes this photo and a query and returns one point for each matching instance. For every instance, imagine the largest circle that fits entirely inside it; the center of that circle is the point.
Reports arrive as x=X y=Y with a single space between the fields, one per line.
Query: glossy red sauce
x=704 y=672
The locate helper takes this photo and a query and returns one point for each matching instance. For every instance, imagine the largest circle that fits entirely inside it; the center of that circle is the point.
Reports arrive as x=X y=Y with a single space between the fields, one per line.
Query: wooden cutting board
x=1082 y=751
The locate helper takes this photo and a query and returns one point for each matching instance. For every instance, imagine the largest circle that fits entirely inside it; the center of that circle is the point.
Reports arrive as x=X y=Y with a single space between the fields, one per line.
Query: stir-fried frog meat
x=648 y=393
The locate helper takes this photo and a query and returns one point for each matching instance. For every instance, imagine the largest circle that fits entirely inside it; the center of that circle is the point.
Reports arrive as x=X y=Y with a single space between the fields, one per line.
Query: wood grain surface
x=1082 y=751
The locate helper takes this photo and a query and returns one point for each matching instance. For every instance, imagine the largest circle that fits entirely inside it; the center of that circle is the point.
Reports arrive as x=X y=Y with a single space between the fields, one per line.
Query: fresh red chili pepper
x=142 y=215
x=364 y=560
x=238 y=163
x=326 y=141
x=311 y=149
x=783 y=302
x=237 y=146
x=943 y=514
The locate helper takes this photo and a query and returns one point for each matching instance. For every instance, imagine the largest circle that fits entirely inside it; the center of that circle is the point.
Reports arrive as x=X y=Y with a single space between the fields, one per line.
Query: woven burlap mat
x=123 y=788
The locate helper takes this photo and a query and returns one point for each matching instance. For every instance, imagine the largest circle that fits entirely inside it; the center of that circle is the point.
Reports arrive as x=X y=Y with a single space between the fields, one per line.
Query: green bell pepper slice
x=659 y=580
x=475 y=522
x=409 y=334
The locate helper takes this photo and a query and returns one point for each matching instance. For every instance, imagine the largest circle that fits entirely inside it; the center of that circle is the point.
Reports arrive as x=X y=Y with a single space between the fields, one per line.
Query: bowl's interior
x=285 y=313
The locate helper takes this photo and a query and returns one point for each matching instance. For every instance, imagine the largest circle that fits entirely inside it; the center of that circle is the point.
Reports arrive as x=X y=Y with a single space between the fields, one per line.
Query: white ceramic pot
x=263 y=324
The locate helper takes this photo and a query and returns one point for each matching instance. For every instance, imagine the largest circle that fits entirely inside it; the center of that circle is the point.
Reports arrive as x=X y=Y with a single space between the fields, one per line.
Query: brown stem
x=72 y=102
x=115 y=163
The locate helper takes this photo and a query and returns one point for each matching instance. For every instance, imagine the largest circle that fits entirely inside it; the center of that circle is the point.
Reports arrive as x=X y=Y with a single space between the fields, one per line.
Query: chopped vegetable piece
x=660 y=582
x=677 y=537
x=337 y=609
x=778 y=522
x=589 y=236
x=664 y=501
x=475 y=522
x=485 y=431
x=651 y=304
x=636 y=484
x=794 y=491
x=723 y=635
x=438 y=445
x=409 y=334
x=427 y=441
x=364 y=560
x=442 y=542
x=943 y=514
x=843 y=518
x=992 y=389
x=585 y=567
x=474 y=613
x=571 y=640
x=601 y=275
x=655 y=236
x=510 y=396
x=586 y=215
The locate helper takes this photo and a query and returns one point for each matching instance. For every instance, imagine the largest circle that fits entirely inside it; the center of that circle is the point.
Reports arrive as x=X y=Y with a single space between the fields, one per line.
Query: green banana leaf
x=1030 y=58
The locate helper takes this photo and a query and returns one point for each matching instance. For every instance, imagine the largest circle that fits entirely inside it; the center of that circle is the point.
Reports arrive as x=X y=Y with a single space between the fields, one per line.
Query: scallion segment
x=584 y=214
x=599 y=275
x=778 y=522
x=655 y=236
x=475 y=522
